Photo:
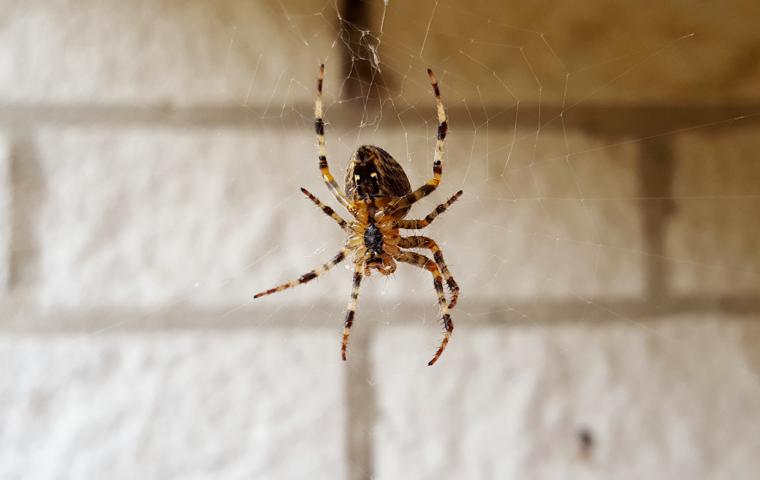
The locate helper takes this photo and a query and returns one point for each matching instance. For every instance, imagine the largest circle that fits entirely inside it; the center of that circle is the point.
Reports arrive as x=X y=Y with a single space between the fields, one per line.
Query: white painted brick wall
x=176 y=405
x=669 y=400
x=142 y=218
x=144 y=241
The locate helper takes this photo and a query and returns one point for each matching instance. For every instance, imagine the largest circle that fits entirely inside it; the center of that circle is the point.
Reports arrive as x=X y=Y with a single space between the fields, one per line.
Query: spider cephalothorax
x=378 y=195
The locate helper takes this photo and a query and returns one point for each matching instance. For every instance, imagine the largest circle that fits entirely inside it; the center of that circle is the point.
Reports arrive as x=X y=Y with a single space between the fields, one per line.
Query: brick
x=608 y=52
x=162 y=52
x=265 y=53
x=713 y=237
x=146 y=218
x=536 y=224
x=186 y=404
x=657 y=400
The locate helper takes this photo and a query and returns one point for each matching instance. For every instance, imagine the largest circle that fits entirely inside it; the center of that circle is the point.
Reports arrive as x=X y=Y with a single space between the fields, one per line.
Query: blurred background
x=151 y=154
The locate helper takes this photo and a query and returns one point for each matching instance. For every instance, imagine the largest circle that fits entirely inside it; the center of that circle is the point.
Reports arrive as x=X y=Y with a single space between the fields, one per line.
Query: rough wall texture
x=144 y=52
x=522 y=46
x=548 y=388
x=165 y=405
x=606 y=242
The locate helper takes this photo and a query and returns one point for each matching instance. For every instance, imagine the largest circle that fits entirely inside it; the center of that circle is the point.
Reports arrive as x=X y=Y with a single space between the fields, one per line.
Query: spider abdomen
x=373 y=174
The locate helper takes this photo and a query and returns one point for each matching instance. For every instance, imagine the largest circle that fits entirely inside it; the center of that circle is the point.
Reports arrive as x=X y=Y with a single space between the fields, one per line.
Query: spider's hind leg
x=306 y=277
x=425 y=242
x=351 y=312
x=422 y=261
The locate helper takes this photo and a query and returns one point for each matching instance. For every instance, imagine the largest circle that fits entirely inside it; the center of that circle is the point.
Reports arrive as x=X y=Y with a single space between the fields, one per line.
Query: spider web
x=553 y=225
x=524 y=158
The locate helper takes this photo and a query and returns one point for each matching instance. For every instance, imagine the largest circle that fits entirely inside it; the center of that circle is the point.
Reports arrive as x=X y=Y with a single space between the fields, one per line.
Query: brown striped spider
x=379 y=196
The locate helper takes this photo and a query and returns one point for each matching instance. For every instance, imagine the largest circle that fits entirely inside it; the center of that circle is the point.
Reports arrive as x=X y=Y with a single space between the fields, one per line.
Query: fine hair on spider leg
x=378 y=196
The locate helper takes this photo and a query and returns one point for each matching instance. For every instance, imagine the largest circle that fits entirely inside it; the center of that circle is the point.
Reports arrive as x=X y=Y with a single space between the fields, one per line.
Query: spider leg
x=425 y=190
x=358 y=267
x=418 y=224
x=448 y=326
x=319 y=127
x=307 y=277
x=425 y=242
x=328 y=211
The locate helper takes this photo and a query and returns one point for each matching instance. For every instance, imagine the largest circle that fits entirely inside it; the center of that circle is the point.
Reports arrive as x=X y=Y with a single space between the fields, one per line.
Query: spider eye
x=373 y=175
x=357 y=178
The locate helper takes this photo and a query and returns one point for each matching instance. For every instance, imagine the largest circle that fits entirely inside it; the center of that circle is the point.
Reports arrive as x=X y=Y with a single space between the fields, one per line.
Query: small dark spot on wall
x=586 y=443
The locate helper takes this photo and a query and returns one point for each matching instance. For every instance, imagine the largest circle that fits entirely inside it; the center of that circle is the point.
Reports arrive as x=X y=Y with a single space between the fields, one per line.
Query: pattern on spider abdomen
x=374 y=174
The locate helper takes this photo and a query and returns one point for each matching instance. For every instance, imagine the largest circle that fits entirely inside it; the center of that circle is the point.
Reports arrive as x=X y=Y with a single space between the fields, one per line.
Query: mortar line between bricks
x=607 y=120
x=27 y=318
x=360 y=76
x=359 y=394
x=656 y=172
x=360 y=400
x=27 y=197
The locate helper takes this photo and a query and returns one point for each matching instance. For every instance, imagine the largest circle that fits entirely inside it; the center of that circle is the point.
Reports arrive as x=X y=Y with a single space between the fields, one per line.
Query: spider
x=378 y=195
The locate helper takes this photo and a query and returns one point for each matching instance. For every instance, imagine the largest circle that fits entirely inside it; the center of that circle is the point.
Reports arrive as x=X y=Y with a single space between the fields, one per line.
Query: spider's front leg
x=328 y=211
x=422 y=261
x=351 y=311
x=425 y=190
x=319 y=127
x=425 y=242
